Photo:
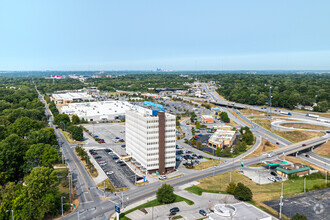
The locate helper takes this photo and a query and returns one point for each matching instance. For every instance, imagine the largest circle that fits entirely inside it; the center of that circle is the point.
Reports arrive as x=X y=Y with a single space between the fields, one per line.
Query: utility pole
x=281 y=202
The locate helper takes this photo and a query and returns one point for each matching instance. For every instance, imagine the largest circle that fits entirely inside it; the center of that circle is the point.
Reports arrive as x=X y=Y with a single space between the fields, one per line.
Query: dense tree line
x=288 y=90
x=140 y=82
x=63 y=121
x=28 y=151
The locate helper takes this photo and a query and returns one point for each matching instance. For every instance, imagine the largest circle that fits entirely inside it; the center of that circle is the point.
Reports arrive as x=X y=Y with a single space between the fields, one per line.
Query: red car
x=304 y=145
x=94 y=153
x=101 y=141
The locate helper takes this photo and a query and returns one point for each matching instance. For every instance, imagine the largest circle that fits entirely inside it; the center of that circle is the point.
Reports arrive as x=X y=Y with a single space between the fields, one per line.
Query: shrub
x=231 y=188
x=298 y=216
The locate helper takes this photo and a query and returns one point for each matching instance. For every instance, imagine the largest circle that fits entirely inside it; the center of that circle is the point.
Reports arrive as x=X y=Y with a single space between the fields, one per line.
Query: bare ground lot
x=314 y=204
x=323 y=150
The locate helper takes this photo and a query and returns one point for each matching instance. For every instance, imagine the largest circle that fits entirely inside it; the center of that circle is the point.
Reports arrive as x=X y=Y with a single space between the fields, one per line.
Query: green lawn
x=153 y=203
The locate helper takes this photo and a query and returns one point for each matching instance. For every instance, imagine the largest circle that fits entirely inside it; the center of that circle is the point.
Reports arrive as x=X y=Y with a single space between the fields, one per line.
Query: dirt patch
x=265 y=146
x=323 y=150
x=251 y=112
x=305 y=126
x=206 y=164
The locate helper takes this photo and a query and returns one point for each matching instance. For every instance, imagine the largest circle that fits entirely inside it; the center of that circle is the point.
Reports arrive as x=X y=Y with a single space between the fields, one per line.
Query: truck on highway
x=285 y=113
x=312 y=115
x=323 y=120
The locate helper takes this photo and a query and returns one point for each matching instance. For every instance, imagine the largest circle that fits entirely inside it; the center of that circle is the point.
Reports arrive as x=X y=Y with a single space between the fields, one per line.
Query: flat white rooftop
x=92 y=109
x=72 y=95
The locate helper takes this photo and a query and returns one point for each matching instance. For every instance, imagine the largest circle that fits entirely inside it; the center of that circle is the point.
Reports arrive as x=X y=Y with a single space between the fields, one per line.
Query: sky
x=171 y=34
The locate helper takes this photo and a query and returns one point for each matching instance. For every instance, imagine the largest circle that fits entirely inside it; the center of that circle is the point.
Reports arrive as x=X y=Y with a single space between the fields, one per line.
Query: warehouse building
x=97 y=111
x=151 y=139
x=69 y=97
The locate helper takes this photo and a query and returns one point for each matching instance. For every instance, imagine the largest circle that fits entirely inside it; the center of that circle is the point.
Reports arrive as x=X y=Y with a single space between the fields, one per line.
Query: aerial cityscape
x=150 y=110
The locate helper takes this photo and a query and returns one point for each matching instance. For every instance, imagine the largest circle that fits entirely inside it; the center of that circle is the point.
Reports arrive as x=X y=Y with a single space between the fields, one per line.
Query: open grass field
x=323 y=150
x=266 y=146
x=109 y=187
x=293 y=136
x=206 y=164
x=306 y=126
x=261 y=193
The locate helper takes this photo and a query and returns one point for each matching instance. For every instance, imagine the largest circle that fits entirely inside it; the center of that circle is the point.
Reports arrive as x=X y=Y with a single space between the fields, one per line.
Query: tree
x=199 y=145
x=298 y=216
x=193 y=131
x=75 y=119
x=77 y=132
x=224 y=117
x=218 y=151
x=243 y=193
x=165 y=194
x=45 y=136
x=41 y=155
x=62 y=118
x=198 y=125
x=39 y=195
x=193 y=142
x=231 y=188
x=23 y=125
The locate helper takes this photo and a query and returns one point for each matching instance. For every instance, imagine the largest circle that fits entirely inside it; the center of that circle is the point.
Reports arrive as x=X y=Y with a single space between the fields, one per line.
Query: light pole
x=281 y=202
x=12 y=213
x=62 y=203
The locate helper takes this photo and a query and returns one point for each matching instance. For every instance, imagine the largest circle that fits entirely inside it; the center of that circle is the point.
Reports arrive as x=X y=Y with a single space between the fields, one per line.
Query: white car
x=103 y=164
x=109 y=172
x=162 y=178
x=271 y=178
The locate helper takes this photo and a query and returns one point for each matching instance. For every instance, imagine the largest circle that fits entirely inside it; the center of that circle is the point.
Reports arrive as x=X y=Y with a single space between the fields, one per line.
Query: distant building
x=207 y=119
x=291 y=170
x=222 y=139
x=68 y=97
x=151 y=139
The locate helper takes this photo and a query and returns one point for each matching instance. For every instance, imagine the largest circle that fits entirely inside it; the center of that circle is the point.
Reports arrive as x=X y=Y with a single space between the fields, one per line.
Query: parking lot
x=314 y=204
x=261 y=175
x=109 y=132
x=121 y=175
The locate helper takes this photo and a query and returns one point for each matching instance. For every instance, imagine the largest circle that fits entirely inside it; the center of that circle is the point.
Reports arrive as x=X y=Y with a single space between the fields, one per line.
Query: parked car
x=98 y=157
x=123 y=145
x=119 y=161
x=115 y=158
x=100 y=161
x=111 y=153
x=122 y=164
x=200 y=157
x=271 y=178
x=162 y=178
x=278 y=178
x=175 y=209
x=107 y=150
x=304 y=145
x=273 y=173
x=103 y=164
x=109 y=172
x=94 y=153
x=202 y=212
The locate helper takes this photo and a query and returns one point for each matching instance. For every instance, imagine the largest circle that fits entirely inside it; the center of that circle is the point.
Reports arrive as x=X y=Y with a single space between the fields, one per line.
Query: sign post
x=117 y=209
